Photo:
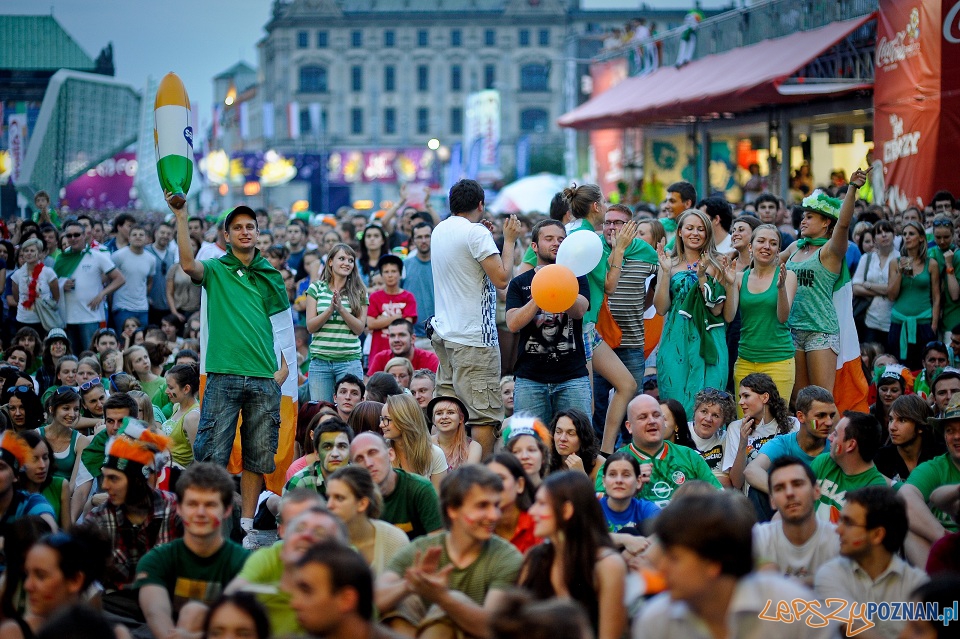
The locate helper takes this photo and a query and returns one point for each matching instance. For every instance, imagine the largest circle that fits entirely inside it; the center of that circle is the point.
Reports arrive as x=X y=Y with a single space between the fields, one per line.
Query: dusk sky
x=197 y=39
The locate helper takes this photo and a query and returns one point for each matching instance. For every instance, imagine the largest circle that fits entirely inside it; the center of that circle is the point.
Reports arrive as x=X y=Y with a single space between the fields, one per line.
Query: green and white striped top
x=334 y=342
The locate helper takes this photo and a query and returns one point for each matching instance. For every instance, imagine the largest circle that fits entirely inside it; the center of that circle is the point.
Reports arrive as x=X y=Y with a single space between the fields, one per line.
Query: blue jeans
x=227 y=397
x=633 y=359
x=323 y=376
x=81 y=335
x=120 y=315
x=543 y=401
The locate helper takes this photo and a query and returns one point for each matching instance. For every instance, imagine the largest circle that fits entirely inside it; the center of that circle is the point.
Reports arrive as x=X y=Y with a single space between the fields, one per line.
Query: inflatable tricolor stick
x=173 y=138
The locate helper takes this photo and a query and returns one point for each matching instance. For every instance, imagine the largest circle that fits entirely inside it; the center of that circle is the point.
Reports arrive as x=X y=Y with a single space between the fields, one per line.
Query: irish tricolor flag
x=850 y=388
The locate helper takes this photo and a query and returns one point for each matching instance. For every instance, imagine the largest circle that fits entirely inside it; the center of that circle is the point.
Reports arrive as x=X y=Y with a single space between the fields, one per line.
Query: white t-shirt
x=712 y=449
x=763 y=433
x=88 y=283
x=770 y=545
x=875 y=270
x=726 y=245
x=22 y=277
x=209 y=250
x=465 y=298
x=132 y=296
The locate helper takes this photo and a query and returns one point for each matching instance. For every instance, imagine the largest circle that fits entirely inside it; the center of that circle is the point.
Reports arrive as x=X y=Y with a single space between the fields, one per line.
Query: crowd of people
x=665 y=457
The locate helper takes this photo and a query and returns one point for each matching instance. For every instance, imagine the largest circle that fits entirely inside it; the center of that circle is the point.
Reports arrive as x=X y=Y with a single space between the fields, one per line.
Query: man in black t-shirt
x=551 y=369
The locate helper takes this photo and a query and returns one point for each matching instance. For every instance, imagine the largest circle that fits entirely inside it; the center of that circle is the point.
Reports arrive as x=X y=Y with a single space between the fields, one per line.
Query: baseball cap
x=240 y=210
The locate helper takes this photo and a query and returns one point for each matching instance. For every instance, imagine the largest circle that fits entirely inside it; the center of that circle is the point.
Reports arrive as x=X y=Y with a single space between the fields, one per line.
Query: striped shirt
x=627 y=302
x=334 y=342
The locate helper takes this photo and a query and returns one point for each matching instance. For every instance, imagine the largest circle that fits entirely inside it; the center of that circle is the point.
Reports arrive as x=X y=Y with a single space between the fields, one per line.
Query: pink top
x=296 y=467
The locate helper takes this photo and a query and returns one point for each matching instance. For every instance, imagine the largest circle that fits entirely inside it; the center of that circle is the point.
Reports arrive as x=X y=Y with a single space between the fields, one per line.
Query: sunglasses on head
x=93 y=383
x=709 y=390
x=937 y=223
x=19 y=389
x=65 y=389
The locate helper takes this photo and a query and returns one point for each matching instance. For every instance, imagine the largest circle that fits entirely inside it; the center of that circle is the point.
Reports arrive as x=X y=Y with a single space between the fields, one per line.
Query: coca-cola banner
x=607 y=144
x=917 y=99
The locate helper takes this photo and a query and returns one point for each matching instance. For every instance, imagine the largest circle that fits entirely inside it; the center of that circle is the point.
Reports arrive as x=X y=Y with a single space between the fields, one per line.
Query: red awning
x=729 y=82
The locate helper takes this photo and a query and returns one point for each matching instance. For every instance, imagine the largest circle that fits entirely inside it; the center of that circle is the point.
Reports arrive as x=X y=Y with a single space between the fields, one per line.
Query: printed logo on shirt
x=678 y=477
x=663 y=490
x=805 y=277
x=713 y=456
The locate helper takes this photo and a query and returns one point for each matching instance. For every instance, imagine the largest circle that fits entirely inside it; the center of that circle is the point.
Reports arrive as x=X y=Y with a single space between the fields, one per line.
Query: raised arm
x=189 y=265
x=840 y=239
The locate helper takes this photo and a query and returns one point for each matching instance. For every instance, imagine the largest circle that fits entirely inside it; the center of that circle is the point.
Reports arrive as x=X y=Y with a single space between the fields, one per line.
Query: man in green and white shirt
x=247 y=350
x=671 y=465
x=331 y=440
x=853 y=444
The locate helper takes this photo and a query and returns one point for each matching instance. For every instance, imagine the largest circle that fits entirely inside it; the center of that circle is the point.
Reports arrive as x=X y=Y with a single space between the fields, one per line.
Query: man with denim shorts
x=245 y=319
x=467 y=270
x=551 y=369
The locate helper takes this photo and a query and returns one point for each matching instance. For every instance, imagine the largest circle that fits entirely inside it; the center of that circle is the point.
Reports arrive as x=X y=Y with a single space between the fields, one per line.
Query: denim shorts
x=227 y=397
x=807 y=341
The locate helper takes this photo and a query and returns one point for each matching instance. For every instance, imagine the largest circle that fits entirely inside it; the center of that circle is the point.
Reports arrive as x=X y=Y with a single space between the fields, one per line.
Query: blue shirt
x=783 y=445
x=418 y=279
x=629 y=520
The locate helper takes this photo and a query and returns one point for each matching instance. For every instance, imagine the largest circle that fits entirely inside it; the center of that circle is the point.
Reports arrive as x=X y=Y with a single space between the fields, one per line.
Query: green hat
x=950 y=414
x=820 y=202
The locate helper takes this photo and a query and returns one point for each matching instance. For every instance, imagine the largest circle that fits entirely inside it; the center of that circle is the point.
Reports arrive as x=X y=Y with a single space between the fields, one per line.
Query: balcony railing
x=739 y=27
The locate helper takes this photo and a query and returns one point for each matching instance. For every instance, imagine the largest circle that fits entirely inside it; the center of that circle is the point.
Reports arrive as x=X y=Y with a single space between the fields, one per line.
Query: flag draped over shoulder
x=270 y=283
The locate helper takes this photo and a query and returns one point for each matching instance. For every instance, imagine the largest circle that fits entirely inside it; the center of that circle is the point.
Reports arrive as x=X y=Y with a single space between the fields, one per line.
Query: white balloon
x=580 y=252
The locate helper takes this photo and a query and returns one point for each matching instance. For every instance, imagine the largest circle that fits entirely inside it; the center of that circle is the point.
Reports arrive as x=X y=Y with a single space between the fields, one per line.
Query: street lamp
x=433 y=144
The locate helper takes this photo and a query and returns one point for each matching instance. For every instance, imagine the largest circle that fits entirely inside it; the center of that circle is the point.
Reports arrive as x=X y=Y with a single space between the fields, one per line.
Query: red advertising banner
x=607 y=144
x=917 y=98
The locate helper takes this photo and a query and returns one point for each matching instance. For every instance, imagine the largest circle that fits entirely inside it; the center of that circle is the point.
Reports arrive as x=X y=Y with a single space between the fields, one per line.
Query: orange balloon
x=554 y=288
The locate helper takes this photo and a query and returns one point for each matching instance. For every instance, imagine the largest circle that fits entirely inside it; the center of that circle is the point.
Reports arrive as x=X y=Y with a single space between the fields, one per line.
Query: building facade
x=366 y=75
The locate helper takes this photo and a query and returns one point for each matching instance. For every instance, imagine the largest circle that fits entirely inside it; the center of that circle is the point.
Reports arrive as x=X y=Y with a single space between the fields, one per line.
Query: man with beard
x=551 y=369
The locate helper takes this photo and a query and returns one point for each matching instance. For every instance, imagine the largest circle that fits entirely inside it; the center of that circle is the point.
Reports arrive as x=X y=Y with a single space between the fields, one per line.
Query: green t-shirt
x=239 y=331
x=157 y=391
x=263 y=570
x=496 y=568
x=530 y=256
x=189 y=577
x=672 y=466
x=412 y=506
x=951 y=309
x=54 y=218
x=835 y=484
x=932 y=474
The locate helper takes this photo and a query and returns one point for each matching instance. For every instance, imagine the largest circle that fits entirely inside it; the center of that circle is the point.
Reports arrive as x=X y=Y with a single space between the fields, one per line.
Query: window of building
x=456 y=121
x=489 y=75
x=456 y=78
x=544 y=37
x=313 y=79
x=356 y=78
x=302 y=39
x=322 y=39
x=524 y=37
x=423 y=38
x=490 y=38
x=305 y=122
x=423 y=120
x=389 y=121
x=389 y=78
x=389 y=38
x=456 y=38
x=534 y=120
x=356 y=121
x=534 y=77
x=423 y=78
x=356 y=38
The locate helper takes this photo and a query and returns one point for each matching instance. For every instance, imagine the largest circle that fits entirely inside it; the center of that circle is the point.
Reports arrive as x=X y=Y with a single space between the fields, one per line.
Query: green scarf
x=68 y=261
x=844 y=269
x=267 y=279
